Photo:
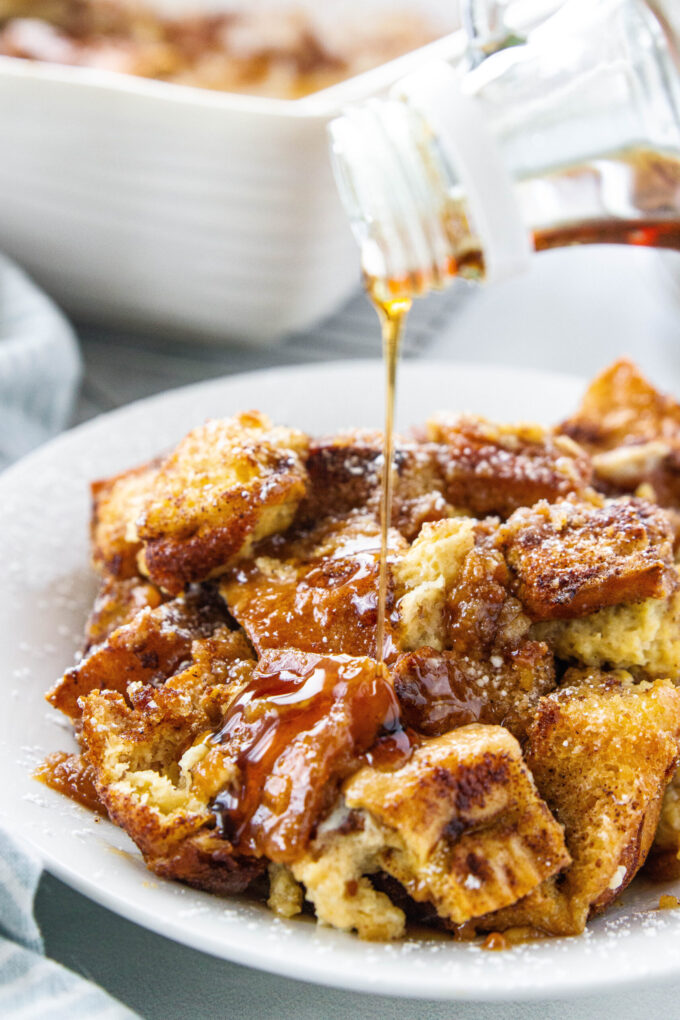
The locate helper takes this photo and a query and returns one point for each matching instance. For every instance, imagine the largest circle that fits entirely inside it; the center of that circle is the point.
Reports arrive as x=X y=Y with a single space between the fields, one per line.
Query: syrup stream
x=392 y=314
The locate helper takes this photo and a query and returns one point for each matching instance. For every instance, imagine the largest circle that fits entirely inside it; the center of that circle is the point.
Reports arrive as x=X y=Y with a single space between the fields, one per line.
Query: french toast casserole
x=510 y=763
x=283 y=54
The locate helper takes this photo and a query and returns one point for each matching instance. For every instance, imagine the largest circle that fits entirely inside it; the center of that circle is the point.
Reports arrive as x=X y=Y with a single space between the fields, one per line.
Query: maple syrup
x=71 y=776
x=292 y=733
x=392 y=312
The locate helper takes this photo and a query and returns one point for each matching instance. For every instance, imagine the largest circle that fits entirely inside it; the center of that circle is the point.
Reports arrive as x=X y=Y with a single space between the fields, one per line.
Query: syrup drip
x=70 y=775
x=392 y=313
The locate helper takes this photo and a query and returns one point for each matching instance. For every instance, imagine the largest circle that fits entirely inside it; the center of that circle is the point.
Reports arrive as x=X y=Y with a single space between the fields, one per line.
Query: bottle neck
x=572 y=138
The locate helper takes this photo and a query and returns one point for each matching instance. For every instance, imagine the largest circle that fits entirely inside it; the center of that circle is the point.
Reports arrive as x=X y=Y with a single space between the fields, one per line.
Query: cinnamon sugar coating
x=225 y=486
x=498 y=768
x=632 y=432
x=574 y=557
x=602 y=750
x=494 y=469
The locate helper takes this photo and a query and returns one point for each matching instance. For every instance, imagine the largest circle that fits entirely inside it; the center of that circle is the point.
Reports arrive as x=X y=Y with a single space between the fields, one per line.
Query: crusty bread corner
x=642 y=634
x=575 y=557
x=146 y=750
x=460 y=825
x=118 y=601
x=440 y=691
x=621 y=407
x=345 y=473
x=489 y=468
x=602 y=750
x=149 y=648
x=632 y=432
x=227 y=485
x=116 y=504
x=317 y=590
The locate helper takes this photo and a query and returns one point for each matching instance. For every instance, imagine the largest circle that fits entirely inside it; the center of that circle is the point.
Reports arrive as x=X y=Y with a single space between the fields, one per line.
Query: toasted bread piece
x=602 y=750
x=148 y=649
x=317 y=591
x=460 y=825
x=424 y=576
x=494 y=469
x=663 y=863
x=440 y=691
x=226 y=485
x=143 y=750
x=453 y=591
x=116 y=504
x=117 y=602
x=632 y=431
x=470 y=660
x=345 y=472
x=634 y=634
x=621 y=407
x=574 y=557
x=289 y=739
x=483 y=619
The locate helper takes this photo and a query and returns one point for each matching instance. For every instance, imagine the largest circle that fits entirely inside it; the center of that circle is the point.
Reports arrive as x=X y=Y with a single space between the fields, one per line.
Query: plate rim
x=314 y=970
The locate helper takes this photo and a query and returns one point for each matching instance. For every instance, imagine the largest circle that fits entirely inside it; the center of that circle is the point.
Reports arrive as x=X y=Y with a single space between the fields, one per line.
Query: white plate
x=47 y=588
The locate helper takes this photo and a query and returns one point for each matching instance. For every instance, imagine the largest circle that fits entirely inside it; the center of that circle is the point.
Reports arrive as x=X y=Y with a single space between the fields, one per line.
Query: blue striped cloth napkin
x=31 y=986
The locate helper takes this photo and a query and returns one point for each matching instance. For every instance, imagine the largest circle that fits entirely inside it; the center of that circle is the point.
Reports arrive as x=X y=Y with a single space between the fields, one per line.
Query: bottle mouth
x=394 y=187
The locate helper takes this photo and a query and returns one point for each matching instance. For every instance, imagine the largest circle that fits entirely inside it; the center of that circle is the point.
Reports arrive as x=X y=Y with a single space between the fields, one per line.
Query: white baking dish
x=139 y=203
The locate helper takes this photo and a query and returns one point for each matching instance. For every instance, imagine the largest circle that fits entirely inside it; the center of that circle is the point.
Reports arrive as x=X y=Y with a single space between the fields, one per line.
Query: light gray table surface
x=575 y=311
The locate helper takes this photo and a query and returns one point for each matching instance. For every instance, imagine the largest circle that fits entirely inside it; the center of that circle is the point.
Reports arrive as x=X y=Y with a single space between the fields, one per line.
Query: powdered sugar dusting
x=44 y=508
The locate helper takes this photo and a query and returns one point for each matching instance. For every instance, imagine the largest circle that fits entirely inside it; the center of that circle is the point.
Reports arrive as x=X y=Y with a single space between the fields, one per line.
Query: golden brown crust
x=345 y=473
x=575 y=557
x=148 y=649
x=633 y=432
x=460 y=825
x=494 y=469
x=482 y=617
x=317 y=591
x=136 y=747
x=621 y=407
x=601 y=750
x=117 y=602
x=439 y=691
x=226 y=485
x=632 y=635
x=116 y=503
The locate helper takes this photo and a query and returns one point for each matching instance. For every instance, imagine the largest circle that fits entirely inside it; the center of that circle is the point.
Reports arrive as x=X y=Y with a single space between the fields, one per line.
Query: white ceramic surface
x=44 y=508
x=139 y=203
x=144 y=204
x=39 y=365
